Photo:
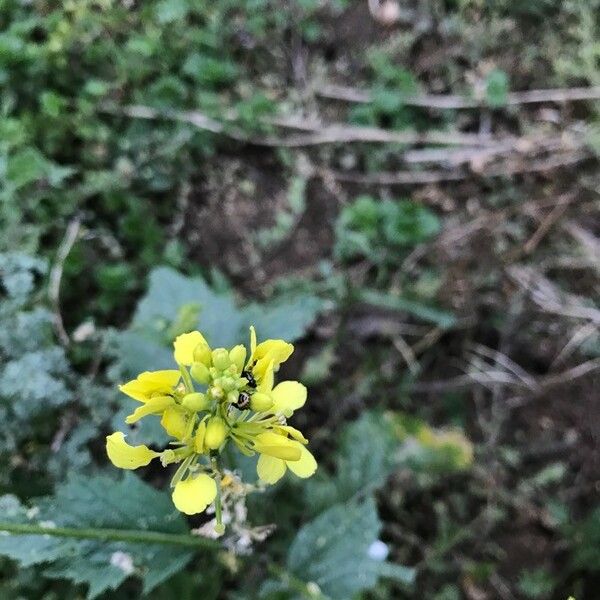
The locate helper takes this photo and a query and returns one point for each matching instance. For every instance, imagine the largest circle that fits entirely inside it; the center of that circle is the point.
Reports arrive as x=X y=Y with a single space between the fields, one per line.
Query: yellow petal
x=276 y=445
x=184 y=347
x=151 y=383
x=267 y=353
x=288 y=396
x=124 y=456
x=193 y=495
x=306 y=466
x=293 y=432
x=266 y=378
x=199 y=438
x=174 y=422
x=278 y=351
x=152 y=407
x=270 y=469
x=252 y=340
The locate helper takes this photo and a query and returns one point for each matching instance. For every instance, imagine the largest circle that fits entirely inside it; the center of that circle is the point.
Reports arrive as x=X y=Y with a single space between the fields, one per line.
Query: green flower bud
x=216 y=432
x=260 y=402
x=195 y=402
x=200 y=373
x=202 y=354
x=237 y=356
x=232 y=397
x=216 y=392
x=228 y=383
x=220 y=358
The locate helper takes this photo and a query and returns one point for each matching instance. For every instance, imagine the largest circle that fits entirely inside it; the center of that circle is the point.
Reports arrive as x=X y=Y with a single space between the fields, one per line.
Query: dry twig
x=316 y=133
x=455 y=102
x=56 y=276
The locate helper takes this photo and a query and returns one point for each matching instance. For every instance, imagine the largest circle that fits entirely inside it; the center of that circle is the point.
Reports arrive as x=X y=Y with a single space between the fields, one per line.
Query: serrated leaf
x=147 y=343
x=333 y=550
x=105 y=503
x=364 y=460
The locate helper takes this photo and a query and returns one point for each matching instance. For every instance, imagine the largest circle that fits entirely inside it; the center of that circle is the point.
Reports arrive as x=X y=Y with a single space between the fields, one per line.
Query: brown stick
x=316 y=134
x=551 y=218
x=455 y=102
x=56 y=276
x=438 y=176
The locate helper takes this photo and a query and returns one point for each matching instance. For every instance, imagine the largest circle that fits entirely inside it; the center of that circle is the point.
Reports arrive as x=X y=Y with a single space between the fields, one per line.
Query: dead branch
x=56 y=276
x=316 y=133
x=544 y=165
x=549 y=298
x=547 y=223
x=491 y=378
x=455 y=102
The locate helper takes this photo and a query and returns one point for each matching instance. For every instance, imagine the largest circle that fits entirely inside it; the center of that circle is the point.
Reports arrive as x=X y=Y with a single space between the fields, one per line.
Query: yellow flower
x=237 y=401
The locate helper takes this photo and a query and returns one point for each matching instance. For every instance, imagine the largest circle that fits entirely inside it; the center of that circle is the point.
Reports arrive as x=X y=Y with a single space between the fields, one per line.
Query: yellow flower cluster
x=216 y=397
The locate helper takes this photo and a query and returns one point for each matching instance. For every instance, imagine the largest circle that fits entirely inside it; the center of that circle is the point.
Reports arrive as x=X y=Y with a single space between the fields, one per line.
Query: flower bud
x=220 y=358
x=200 y=373
x=232 y=397
x=216 y=392
x=228 y=383
x=202 y=354
x=195 y=402
x=260 y=402
x=237 y=356
x=216 y=431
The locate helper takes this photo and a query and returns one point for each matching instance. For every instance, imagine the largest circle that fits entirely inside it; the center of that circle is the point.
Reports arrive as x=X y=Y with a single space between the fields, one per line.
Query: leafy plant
x=176 y=303
x=94 y=531
x=382 y=230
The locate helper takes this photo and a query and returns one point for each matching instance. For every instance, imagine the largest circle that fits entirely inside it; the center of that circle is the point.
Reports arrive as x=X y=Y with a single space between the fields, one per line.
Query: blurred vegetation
x=445 y=323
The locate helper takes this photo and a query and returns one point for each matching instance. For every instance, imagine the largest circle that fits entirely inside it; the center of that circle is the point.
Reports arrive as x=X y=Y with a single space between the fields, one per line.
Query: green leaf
x=99 y=503
x=333 y=551
x=537 y=583
x=29 y=165
x=379 y=230
x=439 y=317
x=147 y=344
x=364 y=460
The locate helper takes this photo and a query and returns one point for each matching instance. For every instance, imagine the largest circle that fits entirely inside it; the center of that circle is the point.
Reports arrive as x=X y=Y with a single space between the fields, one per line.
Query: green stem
x=295 y=583
x=219 y=527
x=187 y=380
x=181 y=469
x=111 y=535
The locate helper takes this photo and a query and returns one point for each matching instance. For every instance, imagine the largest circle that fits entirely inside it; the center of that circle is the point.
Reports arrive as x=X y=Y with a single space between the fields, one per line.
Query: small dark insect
x=243 y=401
x=250 y=378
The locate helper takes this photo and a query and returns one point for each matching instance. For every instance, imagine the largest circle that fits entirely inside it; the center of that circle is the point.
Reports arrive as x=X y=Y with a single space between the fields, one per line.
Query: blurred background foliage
x=361 y=178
